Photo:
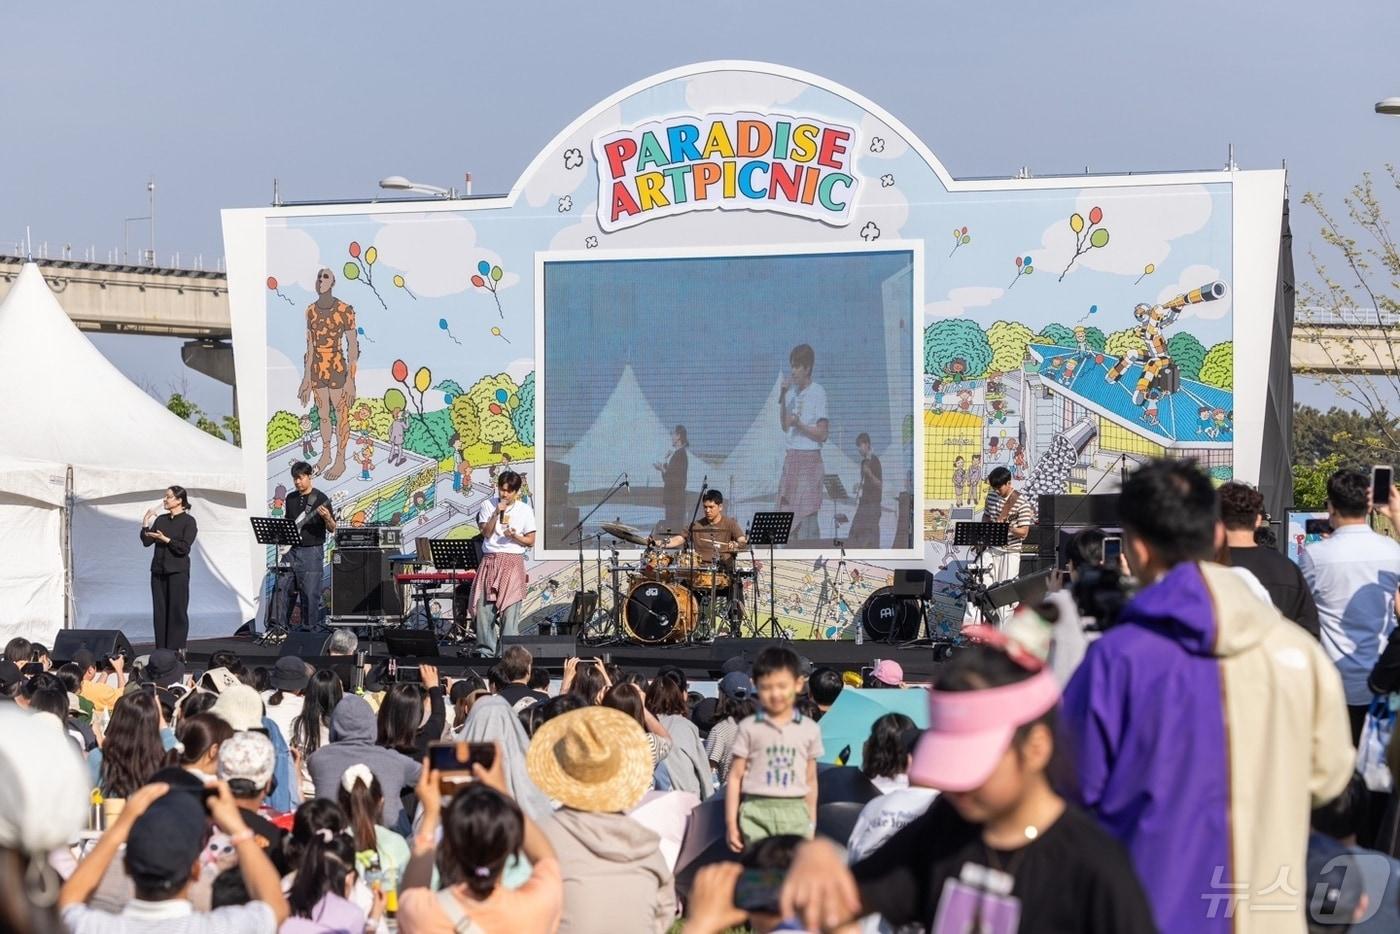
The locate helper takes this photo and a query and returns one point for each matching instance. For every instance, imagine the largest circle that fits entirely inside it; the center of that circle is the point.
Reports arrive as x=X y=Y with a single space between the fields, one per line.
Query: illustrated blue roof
x=1179 y=423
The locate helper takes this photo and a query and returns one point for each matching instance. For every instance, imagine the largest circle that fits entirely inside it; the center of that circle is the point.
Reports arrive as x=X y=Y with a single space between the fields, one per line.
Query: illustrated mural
x=1072 y=327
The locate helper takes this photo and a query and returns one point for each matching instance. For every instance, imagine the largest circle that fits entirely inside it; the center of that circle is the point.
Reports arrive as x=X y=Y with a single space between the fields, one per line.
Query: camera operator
x=1083 y=600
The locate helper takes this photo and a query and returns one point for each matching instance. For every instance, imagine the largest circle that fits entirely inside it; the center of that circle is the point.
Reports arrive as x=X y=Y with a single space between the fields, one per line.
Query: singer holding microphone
x=172 y=535
x=507 y=531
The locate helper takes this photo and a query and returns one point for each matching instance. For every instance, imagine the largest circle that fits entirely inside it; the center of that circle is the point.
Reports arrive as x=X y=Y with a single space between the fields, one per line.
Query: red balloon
x=478 y=282
x=964 y=230
x=1095 y=215
x=495 y=409
x=355 y=248
x=400 y=370
x=272 y=283
x=1018 y=262
x=1098 y=358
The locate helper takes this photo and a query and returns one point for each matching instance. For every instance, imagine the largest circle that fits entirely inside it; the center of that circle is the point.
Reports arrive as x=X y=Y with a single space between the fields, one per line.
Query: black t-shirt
x=313 y=527
x=1075 y=877
x=1285 y=583
x=515 y=693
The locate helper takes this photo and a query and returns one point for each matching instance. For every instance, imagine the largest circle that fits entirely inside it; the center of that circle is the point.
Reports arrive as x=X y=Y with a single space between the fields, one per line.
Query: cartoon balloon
x=1095 y=215
x=1076 y=223
x=1028 y=269
x=355 y=248
x=483 y=267
x=501 y=396
x=1099 y=238
x=495 y=409
x=371 y=255
x=360 y=331
x=1018 y=262
x=394 y=399
x=964 y=230
x=400 y=372
x=496 y=332
x=1028 y=260
x=422 y=379
x=1093 y=309
x=1149 y=269
x=352 y=271
x=496 y=273
x=398 y=281
x=967 y=238
x=442 y=324
x=478 y=282
x=448 y=397
x=1098 y=358
x=272 y=283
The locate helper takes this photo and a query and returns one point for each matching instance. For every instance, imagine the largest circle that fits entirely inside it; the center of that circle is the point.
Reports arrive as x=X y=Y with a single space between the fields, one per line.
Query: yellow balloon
x=496 y=332
x=1076 y=223
x=371 y=255
x=398 y=281
x=422 y=379
x=1149 y=269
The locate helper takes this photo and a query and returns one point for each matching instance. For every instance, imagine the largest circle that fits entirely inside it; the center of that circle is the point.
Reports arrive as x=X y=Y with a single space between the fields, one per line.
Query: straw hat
x=591 y=759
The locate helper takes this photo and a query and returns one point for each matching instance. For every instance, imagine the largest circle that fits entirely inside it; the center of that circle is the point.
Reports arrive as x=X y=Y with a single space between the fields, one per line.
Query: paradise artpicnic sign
x=802 y=166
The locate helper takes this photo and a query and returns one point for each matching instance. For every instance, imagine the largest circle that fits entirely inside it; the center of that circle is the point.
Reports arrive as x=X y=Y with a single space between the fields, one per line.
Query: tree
x=1218 y=369
x=465 y=422
x=523 y=418
x=1095 y=338
x=282 y=429
x=494 y=415
x=1346 y=322
x=1187 y=353
x=185 y=410
x=956 y=349
x=1008 y=340
x=1057 y=334
x=1119 y=343
x=1357 y=439
x=234 y=428
x=428 y=434
x=1310 y=482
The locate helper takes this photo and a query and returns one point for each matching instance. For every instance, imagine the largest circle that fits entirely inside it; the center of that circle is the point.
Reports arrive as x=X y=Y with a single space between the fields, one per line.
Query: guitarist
x=1005 y=504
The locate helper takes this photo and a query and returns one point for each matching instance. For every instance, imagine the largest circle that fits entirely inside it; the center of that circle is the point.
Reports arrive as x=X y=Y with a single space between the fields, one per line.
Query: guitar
x=1009 y=505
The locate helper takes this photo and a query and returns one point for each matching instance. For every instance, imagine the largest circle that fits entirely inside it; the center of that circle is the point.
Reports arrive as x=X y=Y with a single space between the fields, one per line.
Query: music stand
x=979 y=536
x=771 y=529
x=455 y=554
x=836 y=492
x=277 y=531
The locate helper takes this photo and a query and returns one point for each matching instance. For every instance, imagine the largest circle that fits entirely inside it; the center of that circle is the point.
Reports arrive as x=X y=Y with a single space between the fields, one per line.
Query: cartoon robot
x=1158 y=371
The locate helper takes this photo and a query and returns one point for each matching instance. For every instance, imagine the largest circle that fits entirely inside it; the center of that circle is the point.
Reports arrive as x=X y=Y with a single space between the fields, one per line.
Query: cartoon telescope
x=1206 y=293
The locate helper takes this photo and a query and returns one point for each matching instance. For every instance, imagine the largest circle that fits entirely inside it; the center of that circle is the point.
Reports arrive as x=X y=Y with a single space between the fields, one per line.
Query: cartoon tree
x=377 y=421
x=523 y=418
x=1058 y=334
x=494 y=415
x=428 y=434
x=1218 y=368
x=465 y=421
x=1095 y=338
x=956 y=349
x=1187 y=353
x=282 y=429
x=1008 y=340
x=1120 y=342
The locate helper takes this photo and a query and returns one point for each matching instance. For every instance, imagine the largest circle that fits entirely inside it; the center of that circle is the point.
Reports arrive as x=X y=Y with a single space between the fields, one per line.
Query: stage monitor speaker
x=362 y=585
x=411 y=643
x=584 y=606
x=306 y=644
x=913 y=582
x=102 y=643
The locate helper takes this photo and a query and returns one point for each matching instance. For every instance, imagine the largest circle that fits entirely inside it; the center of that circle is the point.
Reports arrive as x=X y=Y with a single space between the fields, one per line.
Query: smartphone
x=1112 y=552
x=1380 y=485
x=757 y=890
x=455 y=760
x=1317 y=527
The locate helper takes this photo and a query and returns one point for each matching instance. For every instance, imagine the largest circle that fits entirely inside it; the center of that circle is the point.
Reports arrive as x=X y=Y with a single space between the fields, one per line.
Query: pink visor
x=969 y=731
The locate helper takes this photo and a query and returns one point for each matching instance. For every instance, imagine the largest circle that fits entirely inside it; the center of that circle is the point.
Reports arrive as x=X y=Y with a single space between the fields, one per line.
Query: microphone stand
x=618 y=484
x=689 y=545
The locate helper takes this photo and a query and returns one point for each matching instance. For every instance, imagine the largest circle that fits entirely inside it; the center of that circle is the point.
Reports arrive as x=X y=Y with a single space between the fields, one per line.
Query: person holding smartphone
x=172 y=535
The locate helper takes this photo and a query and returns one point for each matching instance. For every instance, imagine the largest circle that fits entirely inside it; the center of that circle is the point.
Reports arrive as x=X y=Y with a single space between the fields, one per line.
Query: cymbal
x=624 y=532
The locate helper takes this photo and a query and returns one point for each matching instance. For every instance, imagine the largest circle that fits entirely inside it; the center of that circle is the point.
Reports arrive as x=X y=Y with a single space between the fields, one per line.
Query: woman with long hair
x=586 y=679
x=311 y=729
x=362 y=799
x=172 y=535
x=401 y=713
x=131 y=751
x=628 y=699
x=321 y=894
x=198 y=739
x=885 y=756
x=687 y=763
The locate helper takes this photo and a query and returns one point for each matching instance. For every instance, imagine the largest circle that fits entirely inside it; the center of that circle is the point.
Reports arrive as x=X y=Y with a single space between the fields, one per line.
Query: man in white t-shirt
x=508 y=531
x=802 y=413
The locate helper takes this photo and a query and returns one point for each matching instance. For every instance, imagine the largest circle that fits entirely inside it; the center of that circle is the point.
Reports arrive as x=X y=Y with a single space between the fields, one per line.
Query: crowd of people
x=1166 y=745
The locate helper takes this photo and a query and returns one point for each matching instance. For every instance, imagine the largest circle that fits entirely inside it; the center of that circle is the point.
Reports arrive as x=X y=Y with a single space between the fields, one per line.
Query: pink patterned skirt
x=501 y=580
x=800 y=487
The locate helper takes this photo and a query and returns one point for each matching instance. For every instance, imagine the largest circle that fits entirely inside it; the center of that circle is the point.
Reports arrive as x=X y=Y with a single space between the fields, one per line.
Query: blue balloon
x=484 y=268
x=442 y=323
x=448 y=397
x=360 y=331
x=1093 y=309
x=1028 y=260
x=502 y=395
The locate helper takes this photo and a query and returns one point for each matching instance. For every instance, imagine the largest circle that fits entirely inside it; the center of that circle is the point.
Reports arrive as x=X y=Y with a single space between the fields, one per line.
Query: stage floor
x=700 y=661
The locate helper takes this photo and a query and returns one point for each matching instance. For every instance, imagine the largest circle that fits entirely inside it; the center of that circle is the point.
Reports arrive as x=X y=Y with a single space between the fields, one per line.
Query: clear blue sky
x=215 y=101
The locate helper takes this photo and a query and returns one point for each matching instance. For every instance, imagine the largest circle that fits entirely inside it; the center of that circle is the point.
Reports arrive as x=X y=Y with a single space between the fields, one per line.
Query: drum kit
x=672 y=595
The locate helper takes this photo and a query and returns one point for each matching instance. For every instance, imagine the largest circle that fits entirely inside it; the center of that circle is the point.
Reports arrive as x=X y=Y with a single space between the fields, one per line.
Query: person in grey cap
x=736 y=701
x=164 y=832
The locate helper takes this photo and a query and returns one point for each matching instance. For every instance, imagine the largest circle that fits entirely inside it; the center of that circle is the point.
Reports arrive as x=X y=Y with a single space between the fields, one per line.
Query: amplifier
x=369 y=536
x=362 y=584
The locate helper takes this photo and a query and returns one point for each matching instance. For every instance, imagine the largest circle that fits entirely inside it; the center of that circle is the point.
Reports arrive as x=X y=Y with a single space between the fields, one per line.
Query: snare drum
x=697 y=575
x=656 y=564
x=658 y=612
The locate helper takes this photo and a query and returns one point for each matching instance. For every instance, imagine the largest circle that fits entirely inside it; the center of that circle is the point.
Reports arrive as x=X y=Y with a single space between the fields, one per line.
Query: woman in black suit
x=673 y=480
x=173 y=535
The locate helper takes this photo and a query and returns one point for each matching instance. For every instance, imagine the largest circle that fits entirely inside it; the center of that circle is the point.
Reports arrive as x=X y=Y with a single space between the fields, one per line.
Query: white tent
x=89 y=453
x=626 y=436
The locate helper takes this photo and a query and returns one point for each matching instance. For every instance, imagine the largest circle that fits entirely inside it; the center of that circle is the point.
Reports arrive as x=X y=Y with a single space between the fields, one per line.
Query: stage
x=700 y=661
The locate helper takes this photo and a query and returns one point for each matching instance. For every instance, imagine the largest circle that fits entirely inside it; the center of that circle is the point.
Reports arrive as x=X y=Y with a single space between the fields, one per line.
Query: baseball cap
x=218 y=680
x=740 y=662
x=969 y=731
x=736 y=686
x=888 y=672
x=163 y=668
x=1335 y=883
x=240 y=707
x=248 y=756
x=166 y=840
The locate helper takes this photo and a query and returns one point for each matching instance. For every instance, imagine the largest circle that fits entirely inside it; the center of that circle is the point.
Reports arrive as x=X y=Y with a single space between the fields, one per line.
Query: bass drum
x=887 y=618
x=658 y=612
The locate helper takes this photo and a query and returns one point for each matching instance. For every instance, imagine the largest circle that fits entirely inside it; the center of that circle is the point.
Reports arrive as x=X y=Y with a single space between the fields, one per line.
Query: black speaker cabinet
x=103 y=643
x=913 y=582
x=411 y=643
x=305 y=644
x=362 y=585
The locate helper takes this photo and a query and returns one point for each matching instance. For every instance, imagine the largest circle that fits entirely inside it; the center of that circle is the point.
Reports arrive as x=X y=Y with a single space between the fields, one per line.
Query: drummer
x=716 y=538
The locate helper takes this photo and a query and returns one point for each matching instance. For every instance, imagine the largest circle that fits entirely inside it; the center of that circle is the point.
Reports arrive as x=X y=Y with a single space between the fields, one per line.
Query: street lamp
x=399 y=183
x=1390 y=106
